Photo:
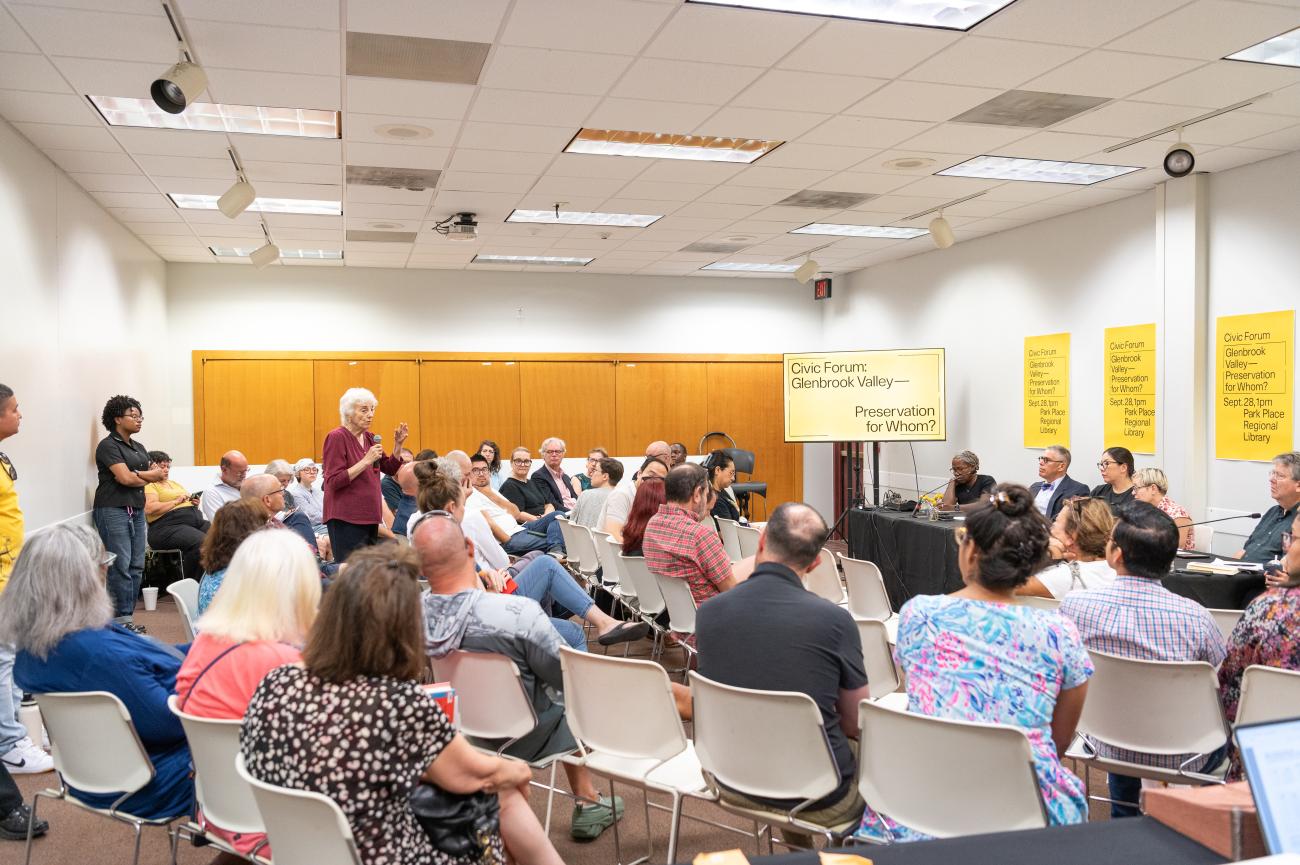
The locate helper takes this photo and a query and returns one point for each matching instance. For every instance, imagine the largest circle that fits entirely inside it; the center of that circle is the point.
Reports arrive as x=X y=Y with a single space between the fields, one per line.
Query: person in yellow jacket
x=11 y=516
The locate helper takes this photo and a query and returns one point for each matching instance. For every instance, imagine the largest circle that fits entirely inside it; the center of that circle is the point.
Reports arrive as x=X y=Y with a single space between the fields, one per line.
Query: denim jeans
x=546 y=582
x=11 y=697
x=123 y=532
x=540 y=534
x=1124 y=788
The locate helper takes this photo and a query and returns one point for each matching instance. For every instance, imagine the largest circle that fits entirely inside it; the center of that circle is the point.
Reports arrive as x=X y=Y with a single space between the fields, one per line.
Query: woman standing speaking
x=353 y=459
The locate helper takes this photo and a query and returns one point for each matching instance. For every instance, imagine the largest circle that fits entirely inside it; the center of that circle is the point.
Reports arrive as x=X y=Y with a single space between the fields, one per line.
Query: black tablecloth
x=916 y=556
x=1139 y=839
x=1216 y=591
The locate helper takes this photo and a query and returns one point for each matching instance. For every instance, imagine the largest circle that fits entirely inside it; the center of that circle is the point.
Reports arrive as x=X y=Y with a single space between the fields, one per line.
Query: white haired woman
x=1151 y=485
x=56 y=613
x=353 y=461
x=257 y=622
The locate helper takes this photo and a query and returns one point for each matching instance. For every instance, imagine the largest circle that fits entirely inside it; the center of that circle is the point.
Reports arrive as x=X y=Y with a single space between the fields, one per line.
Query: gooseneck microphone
x=1221 y=519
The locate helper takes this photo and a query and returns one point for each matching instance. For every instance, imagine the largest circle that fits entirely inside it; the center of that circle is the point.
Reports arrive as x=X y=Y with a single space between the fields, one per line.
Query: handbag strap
x=195 y=684
x=1076 y=576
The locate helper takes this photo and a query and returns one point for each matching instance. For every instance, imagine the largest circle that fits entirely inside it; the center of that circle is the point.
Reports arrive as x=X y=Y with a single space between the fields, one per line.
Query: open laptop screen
x=1270 y=753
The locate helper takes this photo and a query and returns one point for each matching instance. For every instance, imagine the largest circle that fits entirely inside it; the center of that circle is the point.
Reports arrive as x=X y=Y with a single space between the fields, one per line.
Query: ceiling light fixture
x=1037 y=170
x=312 y=207
x=1281 y=50
x=308 y=254
x=217 y=117
x=551 y=260
x=751 y=267
x=1179 y=160
x=950 y=15
x=578 y=217
x=892 y=232
x=264 y=255
x=941 y=232
x=237 y=198
x=460 y=227
x=178 y=87
x=662 y=145
x=806 y=271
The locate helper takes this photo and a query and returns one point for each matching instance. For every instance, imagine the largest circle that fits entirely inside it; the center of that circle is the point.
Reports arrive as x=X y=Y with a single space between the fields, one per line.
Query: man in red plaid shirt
x=680 y=544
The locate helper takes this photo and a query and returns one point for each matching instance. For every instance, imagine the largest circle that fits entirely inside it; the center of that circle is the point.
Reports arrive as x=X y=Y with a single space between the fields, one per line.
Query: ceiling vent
x=413 y=179
x=825 y=200
x=378 y=55
x=715 y=247
x=380 y=236
x=1031 y=109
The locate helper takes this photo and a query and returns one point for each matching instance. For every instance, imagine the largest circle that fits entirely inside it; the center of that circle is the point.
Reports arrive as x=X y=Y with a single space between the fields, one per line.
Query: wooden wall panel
x=260 y=407
x=746 y=402
x=572 y=400
x=395 y=383
x=464 y=402
x=660 y=401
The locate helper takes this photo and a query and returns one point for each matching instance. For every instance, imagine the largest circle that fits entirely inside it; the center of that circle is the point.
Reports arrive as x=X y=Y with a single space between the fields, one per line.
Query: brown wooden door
x=259 y=407
x=572 y=400
x=746 y=401
x=464 y=402
x=656 y=400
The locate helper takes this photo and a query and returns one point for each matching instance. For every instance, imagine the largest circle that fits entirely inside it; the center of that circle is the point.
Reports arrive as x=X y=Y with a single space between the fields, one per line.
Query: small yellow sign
x=1129 y=413
x=893 y=395
x=1254 y=385
x=1047 y=390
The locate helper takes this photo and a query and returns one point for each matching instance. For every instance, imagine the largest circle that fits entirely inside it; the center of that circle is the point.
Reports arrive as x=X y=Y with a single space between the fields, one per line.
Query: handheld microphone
x=378 y=441
x=1221 y=519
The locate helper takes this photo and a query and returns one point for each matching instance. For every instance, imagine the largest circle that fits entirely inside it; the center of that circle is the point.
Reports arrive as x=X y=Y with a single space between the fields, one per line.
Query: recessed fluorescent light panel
x=577 y=217
x=751 y=267
x=947 y=14
x=1037 y=170
x=555 y=260
x=663 y=145
x=263 y=205
x=1281 y=50
x=245 y=251
x=212 y=117
x=887 y=231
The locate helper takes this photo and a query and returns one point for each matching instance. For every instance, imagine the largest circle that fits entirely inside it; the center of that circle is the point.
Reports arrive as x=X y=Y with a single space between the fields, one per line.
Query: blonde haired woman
x=257 y=622
x=1152 y=486
x=1080 y=532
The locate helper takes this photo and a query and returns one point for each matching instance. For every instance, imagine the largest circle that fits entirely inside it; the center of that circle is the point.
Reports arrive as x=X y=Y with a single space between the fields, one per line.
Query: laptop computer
x=1270 y=754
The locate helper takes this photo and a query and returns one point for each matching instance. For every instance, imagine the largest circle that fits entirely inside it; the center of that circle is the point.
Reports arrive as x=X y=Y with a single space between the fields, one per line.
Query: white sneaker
x=27 y=759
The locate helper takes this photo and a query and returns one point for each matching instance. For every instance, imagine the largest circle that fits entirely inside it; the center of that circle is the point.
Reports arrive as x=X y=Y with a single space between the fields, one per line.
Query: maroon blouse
x=358 y=500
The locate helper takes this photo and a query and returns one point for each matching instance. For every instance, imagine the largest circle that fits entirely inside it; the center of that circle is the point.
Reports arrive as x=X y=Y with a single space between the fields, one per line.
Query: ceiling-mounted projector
x=459 y=227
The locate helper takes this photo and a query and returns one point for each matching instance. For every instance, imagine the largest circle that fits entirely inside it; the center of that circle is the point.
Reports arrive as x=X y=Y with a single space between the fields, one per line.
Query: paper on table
x=1239 y=565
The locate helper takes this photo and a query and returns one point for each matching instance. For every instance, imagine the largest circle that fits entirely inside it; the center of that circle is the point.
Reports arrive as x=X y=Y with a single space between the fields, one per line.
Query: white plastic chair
x=1152 y=707
x=1227 y=620
x=579 y=550
x=1204 y=538
x=186 y=594
x=97 y=751
x=1040 y=603
x=304 y=828
x=611 y=570
x=866 y=589
x=224 y=797
x=681 y=612
x=824 y=580
x=649 y=598
x=1268 y=694
x=923 y=794
x=768 y=744
x=883 y=679
x=728 y=530
x=747 y=536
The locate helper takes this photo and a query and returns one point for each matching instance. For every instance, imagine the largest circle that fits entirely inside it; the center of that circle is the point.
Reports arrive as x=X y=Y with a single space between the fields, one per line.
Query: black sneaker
x=134 y=628
x=13 y=826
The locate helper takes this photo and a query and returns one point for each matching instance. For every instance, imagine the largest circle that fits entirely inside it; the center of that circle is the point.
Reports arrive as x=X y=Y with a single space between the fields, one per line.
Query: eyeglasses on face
x=133 y=415
x=479 y=469
x=1105 y=464
x=521 y=462
x=1049 y=460
x=553 y=452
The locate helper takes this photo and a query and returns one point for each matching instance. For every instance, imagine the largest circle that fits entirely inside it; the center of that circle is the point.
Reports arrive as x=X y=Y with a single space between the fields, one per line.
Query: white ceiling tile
x=358 y=194
x=641 y=115
x=615 y=26
x=879 y=164
x=21 y=106
x=283 y=148
x=1286 y=139
x=153 y=214
x=396 y=155
x=591 y=165
x=181 y=232
x=186 y=166
x=540 y=201
x=863 y=48
x=314 y=191
x=1284 y=101
x=684 y=81
x=656 y=190
x=275 y=89
x=1036 y=211
x=1149 y=152
x=1223 y=158
x=564 y=188
x=1126 y=119
x=750 y=195
x=685 y=171
x=717 y=210
x=320 y=14
x=321 y=235
x=619 y=204
x=732 y=122
x=357 y=213
x=1024 y=192
x=467 y=159
x=266 y=49
x=12 y=38
x=408 y=98
x=171 y=142
x=688 y=223
x=303 y=220
x=776 y=178
x=1208 y=29
x=1003 y=63
x=510 y=136
x=538 y=109
x=1235 y=127
x=820 y=156
x=48 y=136
x=30 y=72
x=1057 y=145
x=948 y=187
x=365 y=128
x=709 y=34
x=519 y=68
x=789 y=90
x=468 y=22
x=864 y=131
x=97 y=163
x=203 y=220
x=477 y=181
x=1069 y=22
x=860 y=181
x=114 y=182
x=129 y=199
x=1218 y=84
x=1110 y=74
x=967 y=138
x=1144 y=179
x=100 y=77
x=293 y=172
x=80 y=33
x=915 y=100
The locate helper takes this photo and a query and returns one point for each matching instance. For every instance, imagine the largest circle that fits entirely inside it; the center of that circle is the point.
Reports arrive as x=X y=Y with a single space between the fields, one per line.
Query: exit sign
x=822 y=288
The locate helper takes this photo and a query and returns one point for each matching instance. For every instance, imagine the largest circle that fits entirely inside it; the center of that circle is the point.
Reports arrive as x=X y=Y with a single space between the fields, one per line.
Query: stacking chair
x=824 y=580
x=304 y=828
x=1227 y=620
x=681 y=611
x=650 y=601
x=728 y=530
x=1040 y=603
x=97 y=750
x=748 y=537
x=186 y=594
x=223 y=795
x=866 y=589
x=768 y=744
x=613 y=579
x=922 y=795
x=883 y=680
x=580 y=551
x=1268 y=694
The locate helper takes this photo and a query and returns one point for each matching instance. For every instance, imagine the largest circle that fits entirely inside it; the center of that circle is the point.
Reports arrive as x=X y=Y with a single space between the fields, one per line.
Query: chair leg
x=135 y=860
x=618 y=843
x=649 y=839
x=674 y=827
x=31 y=823
x=550 y=799
x=758 y=839
x=176 y=840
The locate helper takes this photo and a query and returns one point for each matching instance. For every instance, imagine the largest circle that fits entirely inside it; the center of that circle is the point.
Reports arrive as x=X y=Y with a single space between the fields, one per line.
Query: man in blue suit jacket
x=1055 y=487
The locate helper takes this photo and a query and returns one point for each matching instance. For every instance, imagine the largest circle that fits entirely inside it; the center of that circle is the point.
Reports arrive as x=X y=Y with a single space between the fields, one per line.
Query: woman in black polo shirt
x=124 y=469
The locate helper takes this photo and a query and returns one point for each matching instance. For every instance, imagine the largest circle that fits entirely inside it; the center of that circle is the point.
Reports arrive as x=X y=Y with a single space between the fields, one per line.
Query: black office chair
x=745 y=464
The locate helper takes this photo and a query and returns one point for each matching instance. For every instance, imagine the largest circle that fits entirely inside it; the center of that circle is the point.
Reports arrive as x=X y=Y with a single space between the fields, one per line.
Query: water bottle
x=1273 y=572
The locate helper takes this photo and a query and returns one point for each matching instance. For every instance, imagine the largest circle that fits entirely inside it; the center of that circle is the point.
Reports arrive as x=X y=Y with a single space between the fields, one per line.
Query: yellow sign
x=1129 y=413
x=1047 y=390
x=1255 y=390
x=865 y=396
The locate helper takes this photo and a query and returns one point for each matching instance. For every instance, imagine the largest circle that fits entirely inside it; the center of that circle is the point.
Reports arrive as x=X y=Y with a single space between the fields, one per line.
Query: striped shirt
x=678 y=545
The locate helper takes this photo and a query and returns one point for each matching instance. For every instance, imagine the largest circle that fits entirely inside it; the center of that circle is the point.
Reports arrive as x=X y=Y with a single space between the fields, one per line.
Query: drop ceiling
x=849 y=98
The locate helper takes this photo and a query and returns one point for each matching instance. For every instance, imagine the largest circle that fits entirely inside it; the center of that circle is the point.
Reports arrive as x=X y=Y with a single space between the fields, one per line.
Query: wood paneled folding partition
x=282 y=404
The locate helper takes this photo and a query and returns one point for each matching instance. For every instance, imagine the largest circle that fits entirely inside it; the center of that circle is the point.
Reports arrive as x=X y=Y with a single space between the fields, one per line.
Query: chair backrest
x=1040 y=603
x=1204 y=538
x=649 y=598
x=1227 y=620
x=824 y=579
x=579 y=548
x=748 y=539
x=1268 y=694
x=490 y=698
x=866 y=586
x=762 y=743
x=1154 y=707
x=681 y=603
x=304 y=828
x=878 y=657
x=186 y=594
x=621 y=706
x=924 y=795
x=728 y=530
x=744 y=460
x=96 y=748
x=225 y=797
x=611 y=571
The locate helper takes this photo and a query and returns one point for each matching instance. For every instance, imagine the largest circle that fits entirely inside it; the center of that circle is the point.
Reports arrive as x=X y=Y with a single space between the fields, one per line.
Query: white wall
x=83 y=312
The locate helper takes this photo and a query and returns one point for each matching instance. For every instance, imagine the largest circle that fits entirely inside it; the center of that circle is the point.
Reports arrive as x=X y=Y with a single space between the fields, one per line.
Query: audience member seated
x=605 y=476
x=619 y=503
x=514 y=537
x=967 y=487
x=233 y=470
x=174 y=519
x=492 y=452
x=722 y=474
x=551 y=480
x=306 y=497
x=1079 y=537
x=650 y=497
x=440 y=488
x=407 y=505
x=56 y=614
x=1136 y=617
x=676 y=454
x=269 y=491
x=257 y=623
x=1055 y=487
x=1265 y=542
x=772 y=634
x=1151 y=485
x=531 y=500
x=389 y=488
x=582 y=482
x=976 y=655
x=282 y=472
x=458 y=614
x=359 y=679
x=1117 y=471
x=230 y=527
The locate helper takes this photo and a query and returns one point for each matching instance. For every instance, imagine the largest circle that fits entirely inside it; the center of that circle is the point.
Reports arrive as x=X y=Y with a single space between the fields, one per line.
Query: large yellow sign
x=865 y=396
x=1129 y=413
x=1047 y=390
x=1255 y=385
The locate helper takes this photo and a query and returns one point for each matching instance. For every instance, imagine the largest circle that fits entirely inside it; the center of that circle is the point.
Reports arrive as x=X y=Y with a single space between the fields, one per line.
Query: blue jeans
x=1124 y=788
x=123 y=533
x=11 y=697
x=545 y=581
x=540 y=534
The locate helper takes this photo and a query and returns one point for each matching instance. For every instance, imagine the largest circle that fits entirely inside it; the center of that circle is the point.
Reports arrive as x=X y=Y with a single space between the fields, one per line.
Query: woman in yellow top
x=174 y=520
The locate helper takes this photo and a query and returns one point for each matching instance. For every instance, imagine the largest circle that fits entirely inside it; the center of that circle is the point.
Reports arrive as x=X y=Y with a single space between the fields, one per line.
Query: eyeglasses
x=521 y=462
x=1049 y=460
x=552 y=453
x=479 y=470
x=134 y=415
x=1105 y=464
x=8 y=466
